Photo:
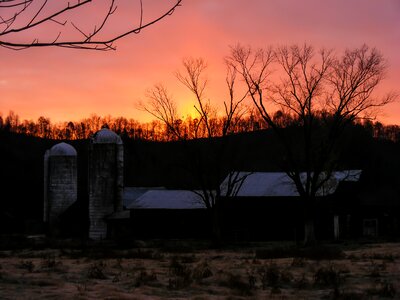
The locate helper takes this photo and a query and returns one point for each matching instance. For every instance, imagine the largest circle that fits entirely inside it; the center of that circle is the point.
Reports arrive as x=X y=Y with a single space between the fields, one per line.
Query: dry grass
x=255 y=271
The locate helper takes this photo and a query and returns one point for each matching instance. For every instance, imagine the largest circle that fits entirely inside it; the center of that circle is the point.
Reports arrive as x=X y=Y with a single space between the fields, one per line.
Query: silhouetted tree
x=12 y=121
x=33 y=23
x=323 y=94
x=206 y=125
x=44 y=127
x=161 y=106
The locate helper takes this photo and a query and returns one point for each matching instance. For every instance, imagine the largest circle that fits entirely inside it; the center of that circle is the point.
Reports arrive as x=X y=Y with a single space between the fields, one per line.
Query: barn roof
x=167 y=199
x=131 y=194
x=278 y=184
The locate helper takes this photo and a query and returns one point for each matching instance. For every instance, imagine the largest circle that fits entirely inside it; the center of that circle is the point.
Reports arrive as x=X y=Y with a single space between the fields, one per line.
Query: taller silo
x=60 y=183
x=106 y=162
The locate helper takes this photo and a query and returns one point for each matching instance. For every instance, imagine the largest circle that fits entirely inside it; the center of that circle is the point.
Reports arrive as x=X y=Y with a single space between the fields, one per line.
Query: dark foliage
x=383 y=289
x=26 y=265
x=180 y=275
x=239 y=284
x=328 y=276
x=96 y=271
x=166 y=164
x=145 y=278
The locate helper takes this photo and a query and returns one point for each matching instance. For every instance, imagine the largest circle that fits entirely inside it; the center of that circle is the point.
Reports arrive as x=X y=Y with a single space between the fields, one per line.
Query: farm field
x=186 y=270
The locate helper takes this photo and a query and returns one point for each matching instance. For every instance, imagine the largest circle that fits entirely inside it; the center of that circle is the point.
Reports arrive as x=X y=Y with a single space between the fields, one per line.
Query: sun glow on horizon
x=69 y=85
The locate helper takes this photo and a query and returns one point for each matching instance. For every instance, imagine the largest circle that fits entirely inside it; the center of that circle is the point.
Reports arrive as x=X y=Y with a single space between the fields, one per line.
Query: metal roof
x=62 y=149
x=167 y=199
x=106 y=136
x=279 y=184
x=131 y=194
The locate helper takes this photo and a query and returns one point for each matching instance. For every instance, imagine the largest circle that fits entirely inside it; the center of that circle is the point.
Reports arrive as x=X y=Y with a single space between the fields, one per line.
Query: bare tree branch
x=341 y=88
x=161 y=106
x=26 y=16
x=193 y=79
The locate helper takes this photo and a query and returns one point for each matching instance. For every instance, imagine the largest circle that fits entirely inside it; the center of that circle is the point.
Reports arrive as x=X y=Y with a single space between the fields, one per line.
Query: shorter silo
x=105 y=180
x=60 y=183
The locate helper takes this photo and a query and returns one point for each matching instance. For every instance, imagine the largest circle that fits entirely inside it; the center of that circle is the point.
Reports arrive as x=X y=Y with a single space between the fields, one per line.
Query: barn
x=160 y=213
x=257 y=206
x=267 y=206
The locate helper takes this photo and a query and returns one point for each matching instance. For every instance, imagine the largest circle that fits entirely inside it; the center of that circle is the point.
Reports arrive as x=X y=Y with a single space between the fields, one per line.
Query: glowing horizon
x=69 y=85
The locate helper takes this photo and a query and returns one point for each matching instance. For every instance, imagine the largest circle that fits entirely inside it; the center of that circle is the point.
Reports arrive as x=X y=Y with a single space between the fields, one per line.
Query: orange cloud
x=69 y=85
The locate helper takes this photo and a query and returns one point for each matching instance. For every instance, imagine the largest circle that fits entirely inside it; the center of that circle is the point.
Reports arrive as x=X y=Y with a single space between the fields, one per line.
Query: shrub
x=144 y=278
x=376 y=269
x=388 y=257
x=385 y=289
x=118 y=264
x=177 y=268
x=177 y=282
x=353 y=257
x=269 y=275
x=302 y=282
x=202 y=271
x=96 y=271
x=298 y=262
x=239 y=284
x=272 y=276
x=82 y=288
x=117 y=277
x=50 y=263
x=346 y=295
x=187 y=259
x=26 y=265
x=181 y=275
x=328 y=276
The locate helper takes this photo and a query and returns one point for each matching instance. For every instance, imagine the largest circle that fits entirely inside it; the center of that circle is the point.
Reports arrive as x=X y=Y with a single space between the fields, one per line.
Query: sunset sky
x=72 y=84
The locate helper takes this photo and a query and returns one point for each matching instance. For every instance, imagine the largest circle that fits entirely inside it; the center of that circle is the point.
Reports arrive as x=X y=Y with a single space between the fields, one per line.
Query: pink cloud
x=68 y=85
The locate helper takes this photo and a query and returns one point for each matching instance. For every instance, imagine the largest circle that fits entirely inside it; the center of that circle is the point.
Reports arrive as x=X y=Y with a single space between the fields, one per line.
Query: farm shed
x=161 y=213
x=267 y=206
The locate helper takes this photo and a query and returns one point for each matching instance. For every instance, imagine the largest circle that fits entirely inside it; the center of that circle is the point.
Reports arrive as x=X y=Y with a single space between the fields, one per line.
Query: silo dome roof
x=63 y=149
x=106 y=136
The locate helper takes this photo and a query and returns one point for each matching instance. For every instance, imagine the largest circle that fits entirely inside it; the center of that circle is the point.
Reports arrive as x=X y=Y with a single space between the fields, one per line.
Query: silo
x=60 y=183
x=106 y=162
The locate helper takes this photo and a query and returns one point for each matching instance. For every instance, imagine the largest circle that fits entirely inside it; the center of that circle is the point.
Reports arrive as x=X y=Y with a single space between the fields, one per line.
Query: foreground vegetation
x=182 y=269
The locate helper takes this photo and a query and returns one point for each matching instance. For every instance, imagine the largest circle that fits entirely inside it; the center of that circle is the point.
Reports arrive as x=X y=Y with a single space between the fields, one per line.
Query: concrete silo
x=106 y=162
x=60 y=183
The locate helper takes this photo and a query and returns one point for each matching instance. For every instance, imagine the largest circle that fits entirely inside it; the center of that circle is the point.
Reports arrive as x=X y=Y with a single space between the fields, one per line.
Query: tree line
x=156 y=130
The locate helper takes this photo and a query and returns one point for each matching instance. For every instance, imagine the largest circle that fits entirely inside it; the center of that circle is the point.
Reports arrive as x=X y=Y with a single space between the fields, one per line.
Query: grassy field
x=193 y=270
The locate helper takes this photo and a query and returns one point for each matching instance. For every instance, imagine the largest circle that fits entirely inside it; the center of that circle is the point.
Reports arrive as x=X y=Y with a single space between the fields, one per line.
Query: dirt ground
x=256 y=271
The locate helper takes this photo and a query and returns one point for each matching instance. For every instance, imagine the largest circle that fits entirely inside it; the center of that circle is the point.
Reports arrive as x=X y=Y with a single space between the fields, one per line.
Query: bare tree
x=161 y=105
x=234 y=109
x=24 y=23
x=322 y=94
x=208 y=176
x=194 y=79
